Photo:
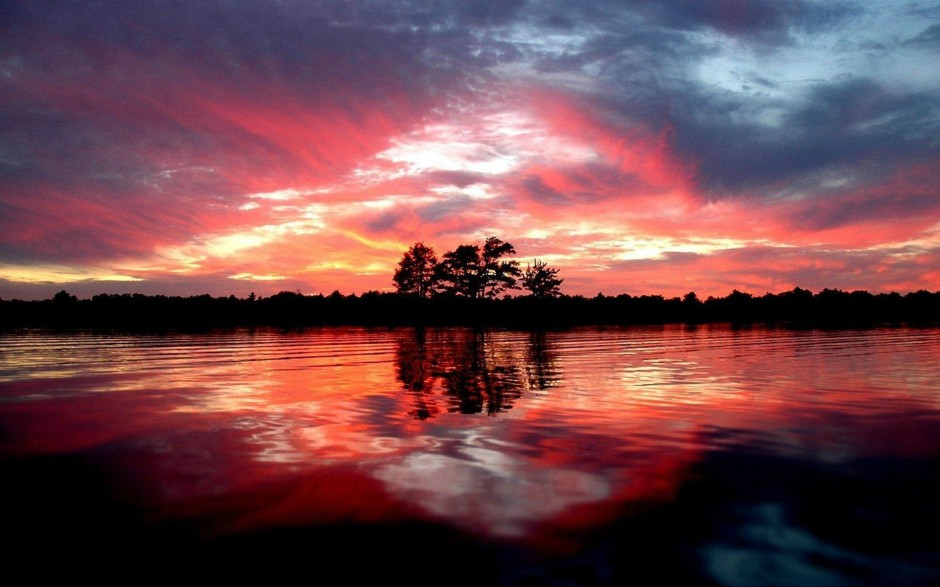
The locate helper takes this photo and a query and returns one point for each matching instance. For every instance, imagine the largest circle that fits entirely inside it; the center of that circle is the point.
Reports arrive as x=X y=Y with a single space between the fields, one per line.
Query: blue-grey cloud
x=854 y=124
x=536 y=188
x=929 y=36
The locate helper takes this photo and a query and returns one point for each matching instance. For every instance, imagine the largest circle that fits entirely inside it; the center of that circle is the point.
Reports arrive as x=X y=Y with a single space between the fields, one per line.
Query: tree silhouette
x=64 y=297
x=690 y=300
x=497 y=275
x=475 y=273
x=416 y=273
x=459 y=271
x=541 y=280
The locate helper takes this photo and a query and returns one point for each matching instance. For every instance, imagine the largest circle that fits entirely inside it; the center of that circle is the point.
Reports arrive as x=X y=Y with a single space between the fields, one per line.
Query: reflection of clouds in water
x=765 y=539
x=272 y=440
x=343 y=442
x=491 y=490
x=230 y=397
x=316 y=439
x=767 y=545
x=556 y=420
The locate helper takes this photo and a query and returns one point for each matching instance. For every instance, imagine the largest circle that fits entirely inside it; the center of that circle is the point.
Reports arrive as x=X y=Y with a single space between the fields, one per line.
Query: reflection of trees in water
x=415 y=368
x=541 y=371
x=473 y=370
x=482 y=374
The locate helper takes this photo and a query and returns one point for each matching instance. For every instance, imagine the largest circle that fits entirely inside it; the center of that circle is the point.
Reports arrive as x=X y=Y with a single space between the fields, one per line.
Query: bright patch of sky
x=60 y=274
x=285 y=194
x=253 y=277
x=477 y=191
x=232 y=245
x=448 y=153
x=488 y=143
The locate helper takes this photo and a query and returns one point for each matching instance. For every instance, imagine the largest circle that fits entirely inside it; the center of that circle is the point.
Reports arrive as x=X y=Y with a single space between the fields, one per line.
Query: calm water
x=587 y=457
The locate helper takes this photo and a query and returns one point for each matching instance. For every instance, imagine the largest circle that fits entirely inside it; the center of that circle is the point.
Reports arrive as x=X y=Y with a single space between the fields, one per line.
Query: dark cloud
x=929 y=37
x=460 y=179
x=373 y=56
x=156 y=109
x=727 y=16
x=536 y=189
x=847 y=210
x=642 y=53
x=842 y=124
x=583 y=184
x=112 y=65
x=755 y=18
x=452 y=207
x=307 y=38
x=385 y=221
x=488 y=12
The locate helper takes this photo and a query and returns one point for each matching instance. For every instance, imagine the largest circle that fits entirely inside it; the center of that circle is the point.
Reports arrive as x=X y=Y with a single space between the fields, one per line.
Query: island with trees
x=472 y=285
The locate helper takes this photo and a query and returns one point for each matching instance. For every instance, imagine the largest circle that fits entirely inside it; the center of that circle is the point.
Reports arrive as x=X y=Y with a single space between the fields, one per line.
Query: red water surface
x=533 y=441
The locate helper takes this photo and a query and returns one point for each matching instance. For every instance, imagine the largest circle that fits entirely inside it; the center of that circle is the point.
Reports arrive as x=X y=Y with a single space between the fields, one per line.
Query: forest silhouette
x=797 y=307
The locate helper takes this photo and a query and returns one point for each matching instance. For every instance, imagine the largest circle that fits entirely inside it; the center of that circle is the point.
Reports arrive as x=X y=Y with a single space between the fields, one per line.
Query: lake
x=596 y=456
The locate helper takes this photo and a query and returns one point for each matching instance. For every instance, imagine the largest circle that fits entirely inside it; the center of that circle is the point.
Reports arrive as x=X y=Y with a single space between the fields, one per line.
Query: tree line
x=473 y=272
x=463 y=287
x=286 y=309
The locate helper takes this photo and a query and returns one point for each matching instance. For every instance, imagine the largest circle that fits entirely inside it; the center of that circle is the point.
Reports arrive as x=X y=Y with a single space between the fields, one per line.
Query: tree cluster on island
x=473 y=272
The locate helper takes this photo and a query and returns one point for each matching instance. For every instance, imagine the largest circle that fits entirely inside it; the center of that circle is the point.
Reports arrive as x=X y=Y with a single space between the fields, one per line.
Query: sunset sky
x=641 y=147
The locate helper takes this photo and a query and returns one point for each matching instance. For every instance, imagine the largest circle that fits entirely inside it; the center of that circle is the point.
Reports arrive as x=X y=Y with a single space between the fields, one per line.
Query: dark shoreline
x=796 y=308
